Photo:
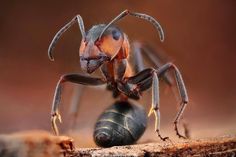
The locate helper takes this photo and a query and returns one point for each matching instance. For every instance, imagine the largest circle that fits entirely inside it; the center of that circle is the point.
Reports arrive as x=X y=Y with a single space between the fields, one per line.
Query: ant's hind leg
x=137 y=58
x=155 y=58
x=182 y=91
x=74 y=78
x=74 y=105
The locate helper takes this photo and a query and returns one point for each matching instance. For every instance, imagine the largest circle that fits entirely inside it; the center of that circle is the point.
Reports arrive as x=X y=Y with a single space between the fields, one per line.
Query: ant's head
x=102 y=42
x=98 y=47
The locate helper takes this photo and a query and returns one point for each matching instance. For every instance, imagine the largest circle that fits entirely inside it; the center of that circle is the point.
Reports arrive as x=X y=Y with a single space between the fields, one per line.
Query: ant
x=107 y=48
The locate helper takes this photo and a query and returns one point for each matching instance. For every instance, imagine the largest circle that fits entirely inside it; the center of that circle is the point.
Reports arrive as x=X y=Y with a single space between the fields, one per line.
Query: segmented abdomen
x=122 y=123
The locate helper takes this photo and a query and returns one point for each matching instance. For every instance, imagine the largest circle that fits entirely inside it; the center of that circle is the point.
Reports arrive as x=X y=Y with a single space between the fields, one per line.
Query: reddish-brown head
x=95 y=50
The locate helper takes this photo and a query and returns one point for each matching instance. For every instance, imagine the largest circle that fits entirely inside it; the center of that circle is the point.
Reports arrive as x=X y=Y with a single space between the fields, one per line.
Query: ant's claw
x=181 y=136
x=164 y=138
x=55 y=116
x=177 y=132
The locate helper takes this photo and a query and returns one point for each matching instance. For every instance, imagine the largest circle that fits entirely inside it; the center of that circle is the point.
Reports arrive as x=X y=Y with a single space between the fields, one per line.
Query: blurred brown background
x=200 y=40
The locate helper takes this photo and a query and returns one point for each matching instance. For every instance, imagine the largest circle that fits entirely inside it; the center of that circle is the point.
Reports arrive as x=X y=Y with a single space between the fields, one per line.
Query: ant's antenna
x=78 y=19
x=138 y=15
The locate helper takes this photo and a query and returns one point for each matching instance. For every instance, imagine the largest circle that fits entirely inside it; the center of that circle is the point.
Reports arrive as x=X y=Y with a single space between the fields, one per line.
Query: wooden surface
x=44 y=144
x=224 y=146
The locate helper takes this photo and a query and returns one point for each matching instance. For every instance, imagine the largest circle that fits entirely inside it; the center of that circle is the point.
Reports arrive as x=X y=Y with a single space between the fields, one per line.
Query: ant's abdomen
x=122 y=123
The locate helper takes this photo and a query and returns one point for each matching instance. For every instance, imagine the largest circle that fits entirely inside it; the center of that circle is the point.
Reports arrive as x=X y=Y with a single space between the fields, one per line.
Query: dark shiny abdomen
x=122 y=123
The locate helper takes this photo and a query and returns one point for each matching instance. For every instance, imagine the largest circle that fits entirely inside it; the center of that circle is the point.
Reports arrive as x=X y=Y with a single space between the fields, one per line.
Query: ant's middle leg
x=156 y=105
x=144 y=80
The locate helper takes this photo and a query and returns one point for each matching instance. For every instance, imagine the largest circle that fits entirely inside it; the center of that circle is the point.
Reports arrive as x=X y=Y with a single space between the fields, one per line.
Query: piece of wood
x=44 y=144
x=34 y=144
x=224 y=146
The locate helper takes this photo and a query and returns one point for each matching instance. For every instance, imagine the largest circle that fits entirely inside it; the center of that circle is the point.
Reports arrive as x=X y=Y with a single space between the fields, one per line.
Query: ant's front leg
x=74 y=78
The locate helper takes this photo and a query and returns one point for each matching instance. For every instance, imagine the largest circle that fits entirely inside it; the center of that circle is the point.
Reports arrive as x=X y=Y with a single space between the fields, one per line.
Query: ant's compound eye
x=111 y=42
x=116 y=34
